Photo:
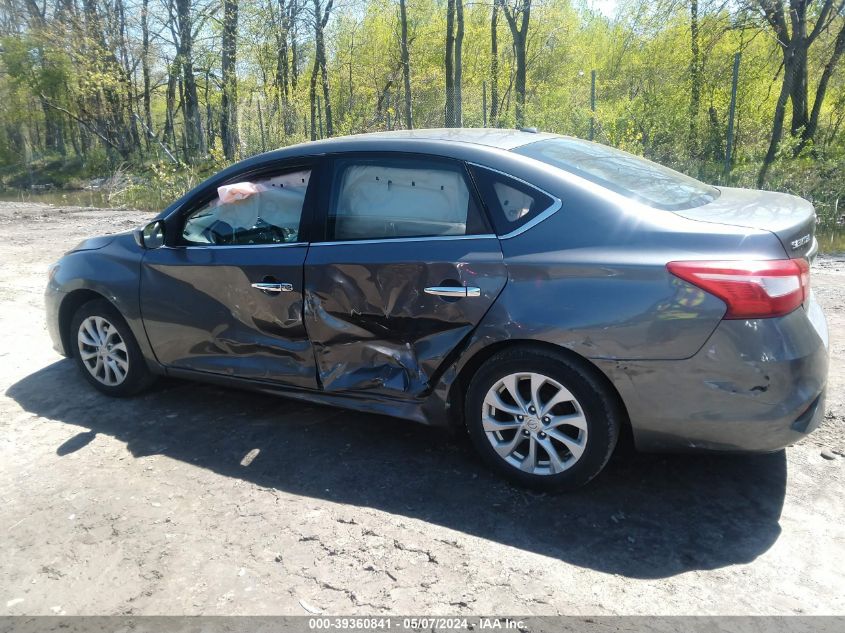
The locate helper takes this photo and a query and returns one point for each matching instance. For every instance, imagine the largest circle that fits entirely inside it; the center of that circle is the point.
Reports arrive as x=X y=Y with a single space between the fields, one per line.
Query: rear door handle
x=272 y=287
x=453 y=291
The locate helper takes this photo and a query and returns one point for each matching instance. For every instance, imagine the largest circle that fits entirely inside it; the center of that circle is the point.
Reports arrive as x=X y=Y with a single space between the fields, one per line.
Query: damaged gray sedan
x=541 y=292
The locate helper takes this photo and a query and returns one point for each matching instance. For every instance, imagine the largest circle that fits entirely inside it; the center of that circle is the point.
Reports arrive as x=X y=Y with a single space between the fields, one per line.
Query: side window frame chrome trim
x=230 y=246
x=430 y=238
x=557 y=203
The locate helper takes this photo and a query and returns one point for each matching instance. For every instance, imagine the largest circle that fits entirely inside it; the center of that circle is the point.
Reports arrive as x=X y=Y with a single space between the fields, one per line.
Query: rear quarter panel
x=593 y=278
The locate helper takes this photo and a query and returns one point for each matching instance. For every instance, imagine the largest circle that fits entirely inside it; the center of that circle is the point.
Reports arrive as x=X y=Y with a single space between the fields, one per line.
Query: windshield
x=632 y=176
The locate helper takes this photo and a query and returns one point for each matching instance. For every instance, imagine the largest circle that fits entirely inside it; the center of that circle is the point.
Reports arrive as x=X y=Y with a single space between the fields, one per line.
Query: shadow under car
x=645 y=516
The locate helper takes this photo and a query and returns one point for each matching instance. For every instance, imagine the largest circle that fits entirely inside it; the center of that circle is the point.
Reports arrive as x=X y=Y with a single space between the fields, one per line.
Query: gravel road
x=195 y=499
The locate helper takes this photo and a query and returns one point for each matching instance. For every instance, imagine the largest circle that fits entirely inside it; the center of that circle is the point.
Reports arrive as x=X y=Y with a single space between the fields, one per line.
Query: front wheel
x=542 y=419
x=106 y=351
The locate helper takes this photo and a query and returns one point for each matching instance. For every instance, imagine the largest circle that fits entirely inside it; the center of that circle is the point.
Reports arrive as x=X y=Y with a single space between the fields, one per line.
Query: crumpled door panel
x=202 y=313
x=373 y=327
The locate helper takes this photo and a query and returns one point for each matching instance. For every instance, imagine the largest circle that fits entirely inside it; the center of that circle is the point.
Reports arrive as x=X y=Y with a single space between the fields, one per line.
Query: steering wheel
x=219 y=233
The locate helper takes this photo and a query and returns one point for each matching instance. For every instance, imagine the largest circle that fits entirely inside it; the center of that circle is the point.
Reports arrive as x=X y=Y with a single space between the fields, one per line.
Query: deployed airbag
x=381 y=201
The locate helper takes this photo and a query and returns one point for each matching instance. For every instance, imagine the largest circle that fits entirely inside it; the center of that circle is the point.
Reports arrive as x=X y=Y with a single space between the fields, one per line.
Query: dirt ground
x=194 y=499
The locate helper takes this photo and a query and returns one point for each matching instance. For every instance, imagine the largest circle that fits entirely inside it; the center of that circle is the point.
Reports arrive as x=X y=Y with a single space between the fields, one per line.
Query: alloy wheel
x=534 y=423
x=102 y=351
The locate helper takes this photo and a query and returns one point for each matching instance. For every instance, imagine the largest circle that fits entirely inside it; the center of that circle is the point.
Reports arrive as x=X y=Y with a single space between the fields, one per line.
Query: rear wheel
x=106 y=351
x=542 y=419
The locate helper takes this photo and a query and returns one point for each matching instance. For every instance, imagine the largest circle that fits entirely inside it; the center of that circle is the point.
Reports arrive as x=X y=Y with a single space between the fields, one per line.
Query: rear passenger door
x=405 y=269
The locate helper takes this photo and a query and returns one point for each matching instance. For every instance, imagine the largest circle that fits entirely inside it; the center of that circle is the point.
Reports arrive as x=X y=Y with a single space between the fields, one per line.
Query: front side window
x=266 y=210
x=398 y=197
x=632 y=176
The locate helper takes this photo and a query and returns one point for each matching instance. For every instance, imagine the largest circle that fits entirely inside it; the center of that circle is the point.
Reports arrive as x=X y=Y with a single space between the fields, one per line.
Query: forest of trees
x=159 y=88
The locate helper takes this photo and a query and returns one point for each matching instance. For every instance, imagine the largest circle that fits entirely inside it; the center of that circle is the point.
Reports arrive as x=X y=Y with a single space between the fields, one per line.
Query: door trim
x=439 y=238
x=231 y=246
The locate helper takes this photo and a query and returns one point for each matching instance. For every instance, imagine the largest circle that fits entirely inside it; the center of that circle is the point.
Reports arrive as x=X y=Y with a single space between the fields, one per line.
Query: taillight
x=752 y=289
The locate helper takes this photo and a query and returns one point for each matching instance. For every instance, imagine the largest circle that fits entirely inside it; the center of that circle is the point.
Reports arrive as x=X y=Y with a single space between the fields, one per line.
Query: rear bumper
x=755 y=386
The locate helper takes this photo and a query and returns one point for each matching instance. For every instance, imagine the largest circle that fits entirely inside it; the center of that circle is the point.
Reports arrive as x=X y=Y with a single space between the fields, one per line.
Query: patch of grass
x=831 y=241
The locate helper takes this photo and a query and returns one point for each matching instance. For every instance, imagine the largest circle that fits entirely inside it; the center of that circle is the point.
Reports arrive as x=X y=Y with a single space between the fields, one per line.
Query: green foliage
x=162 y=182
x=60 y=74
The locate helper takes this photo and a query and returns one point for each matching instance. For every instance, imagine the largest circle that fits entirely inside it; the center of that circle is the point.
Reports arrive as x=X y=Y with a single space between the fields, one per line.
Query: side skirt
x=377 y=404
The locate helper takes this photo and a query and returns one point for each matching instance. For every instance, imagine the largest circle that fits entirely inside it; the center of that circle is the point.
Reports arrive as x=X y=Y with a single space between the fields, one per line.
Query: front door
x=406 y=270
x=225 y=295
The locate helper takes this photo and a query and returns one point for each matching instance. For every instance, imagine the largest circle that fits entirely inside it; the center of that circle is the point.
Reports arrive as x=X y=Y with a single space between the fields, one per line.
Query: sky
x=608 y=7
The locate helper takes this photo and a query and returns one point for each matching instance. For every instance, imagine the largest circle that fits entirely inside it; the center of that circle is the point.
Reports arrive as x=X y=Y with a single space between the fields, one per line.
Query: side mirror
x=150 y=236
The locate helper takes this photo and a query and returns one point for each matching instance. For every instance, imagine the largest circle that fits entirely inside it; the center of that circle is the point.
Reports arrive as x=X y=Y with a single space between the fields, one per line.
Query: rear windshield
x=632 y=176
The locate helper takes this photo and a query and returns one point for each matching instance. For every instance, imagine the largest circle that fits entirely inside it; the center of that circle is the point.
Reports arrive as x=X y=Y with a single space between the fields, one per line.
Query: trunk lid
x=790 y=218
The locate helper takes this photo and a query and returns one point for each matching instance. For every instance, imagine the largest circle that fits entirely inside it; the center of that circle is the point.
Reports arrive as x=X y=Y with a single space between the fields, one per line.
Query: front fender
x=111 y=271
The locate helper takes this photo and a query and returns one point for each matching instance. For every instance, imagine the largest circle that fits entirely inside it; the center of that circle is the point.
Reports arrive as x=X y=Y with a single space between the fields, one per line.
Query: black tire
x=598 y=403
x=138 y=377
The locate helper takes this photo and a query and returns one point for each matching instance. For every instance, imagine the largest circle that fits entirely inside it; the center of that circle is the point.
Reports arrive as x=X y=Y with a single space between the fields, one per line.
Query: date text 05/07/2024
x=413 y=623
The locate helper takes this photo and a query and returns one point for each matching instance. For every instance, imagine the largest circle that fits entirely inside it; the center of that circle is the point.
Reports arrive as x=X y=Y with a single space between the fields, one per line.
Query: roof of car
x=505 y=139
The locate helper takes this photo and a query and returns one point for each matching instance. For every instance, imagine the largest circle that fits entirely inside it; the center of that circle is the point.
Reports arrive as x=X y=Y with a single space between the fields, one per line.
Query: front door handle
x=265 y=286
x=453 y=291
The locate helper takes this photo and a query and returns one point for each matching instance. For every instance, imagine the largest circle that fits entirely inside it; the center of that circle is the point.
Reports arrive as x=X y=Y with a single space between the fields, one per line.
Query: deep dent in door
x=374 y=329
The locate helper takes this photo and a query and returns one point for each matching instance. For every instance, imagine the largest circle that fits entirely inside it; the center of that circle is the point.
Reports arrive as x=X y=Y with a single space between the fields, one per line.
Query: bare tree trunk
x=799 y=96
x=795 y=39
x=695 y=78
x=194 y=139
x=812 y=125
x=450 y=64
x=324 y=74
x=519 y=33
x=798 y=61
x=312 y=96
x=494 y=66
x=169 y=134
x=261 y=128
x=108 y=106
x=126 y=75
x=406 y=63
x=349 y=69
x=777 y=125
x=209 y=116
x=53 y=128
x=145 y=67
x=293 y=12
x=321 y=18
x=458 y=83
x=183 y=137
x=283 y=76
x=229 y=94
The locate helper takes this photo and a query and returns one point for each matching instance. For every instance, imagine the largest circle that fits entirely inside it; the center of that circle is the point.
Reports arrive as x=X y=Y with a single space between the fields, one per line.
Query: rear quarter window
x=511 y=203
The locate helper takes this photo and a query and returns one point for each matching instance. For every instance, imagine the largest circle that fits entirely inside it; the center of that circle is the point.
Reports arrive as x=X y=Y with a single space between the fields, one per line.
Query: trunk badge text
x=800 y=241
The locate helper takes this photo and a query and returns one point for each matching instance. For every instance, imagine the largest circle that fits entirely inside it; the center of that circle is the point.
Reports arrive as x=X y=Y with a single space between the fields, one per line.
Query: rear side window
x=383 y=198
x=510 y=202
